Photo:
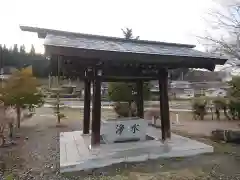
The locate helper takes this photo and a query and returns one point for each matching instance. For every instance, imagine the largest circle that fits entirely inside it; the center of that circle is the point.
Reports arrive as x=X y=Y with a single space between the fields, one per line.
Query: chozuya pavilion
x=97 y=59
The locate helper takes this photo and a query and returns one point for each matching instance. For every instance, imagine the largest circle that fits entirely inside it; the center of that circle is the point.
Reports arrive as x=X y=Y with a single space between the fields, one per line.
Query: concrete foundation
x=75 y=154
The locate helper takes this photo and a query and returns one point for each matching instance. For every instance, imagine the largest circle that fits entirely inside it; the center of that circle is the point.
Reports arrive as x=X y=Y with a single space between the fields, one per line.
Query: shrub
x=234 y=97
x=122 y=109
x=199 y=107
x=221 y=103
x=126 y=92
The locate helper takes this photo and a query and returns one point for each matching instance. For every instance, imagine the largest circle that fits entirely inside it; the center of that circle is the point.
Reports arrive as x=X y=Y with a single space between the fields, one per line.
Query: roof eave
x=42 y=33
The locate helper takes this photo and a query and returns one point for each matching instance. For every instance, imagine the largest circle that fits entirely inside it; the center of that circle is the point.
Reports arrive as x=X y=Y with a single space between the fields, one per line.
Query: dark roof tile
x=171 y=55
x=123 y=46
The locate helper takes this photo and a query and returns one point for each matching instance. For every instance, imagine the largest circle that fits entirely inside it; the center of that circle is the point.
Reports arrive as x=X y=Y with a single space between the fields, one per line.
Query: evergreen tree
x=22 y=49
x=15 y=48
x=21 y=91
x=4 y=47
x=19 y=58
x=32 y=51
x=128 y=34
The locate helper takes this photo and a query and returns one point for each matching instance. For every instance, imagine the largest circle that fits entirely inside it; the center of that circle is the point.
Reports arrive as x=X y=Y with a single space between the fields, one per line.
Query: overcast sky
x=161 y=20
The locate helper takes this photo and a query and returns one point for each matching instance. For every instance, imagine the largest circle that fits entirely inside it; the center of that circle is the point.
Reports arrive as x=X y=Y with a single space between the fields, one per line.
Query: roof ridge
x=42 y=32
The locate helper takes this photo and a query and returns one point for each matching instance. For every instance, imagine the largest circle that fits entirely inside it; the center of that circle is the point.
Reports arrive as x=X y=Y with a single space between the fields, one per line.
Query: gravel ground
x=36 y=156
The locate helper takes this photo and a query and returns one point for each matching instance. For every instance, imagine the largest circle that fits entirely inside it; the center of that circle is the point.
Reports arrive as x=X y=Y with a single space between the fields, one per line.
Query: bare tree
x=224 y=33
x=225 y=3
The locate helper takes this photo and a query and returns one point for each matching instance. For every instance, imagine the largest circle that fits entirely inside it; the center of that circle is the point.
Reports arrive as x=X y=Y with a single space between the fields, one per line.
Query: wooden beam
x=164 y=105
x=96 y=110
x=87 y=102
x=169 y=61
x=126 y=79
x=139 y=99
x=118 y=79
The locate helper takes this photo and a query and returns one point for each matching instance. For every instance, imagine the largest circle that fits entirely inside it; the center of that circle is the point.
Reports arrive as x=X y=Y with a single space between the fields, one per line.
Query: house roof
x=122 y=45
x=43 y=32
x=104 y=47
x=202 y=76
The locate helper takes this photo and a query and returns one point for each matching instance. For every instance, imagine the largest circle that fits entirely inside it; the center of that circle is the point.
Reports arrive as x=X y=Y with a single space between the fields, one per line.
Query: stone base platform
x=75 y=154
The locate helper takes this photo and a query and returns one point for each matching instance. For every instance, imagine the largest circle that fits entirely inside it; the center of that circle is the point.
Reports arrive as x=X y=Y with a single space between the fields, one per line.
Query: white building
x=180 y=84
x=184 y=93
x=215 y=92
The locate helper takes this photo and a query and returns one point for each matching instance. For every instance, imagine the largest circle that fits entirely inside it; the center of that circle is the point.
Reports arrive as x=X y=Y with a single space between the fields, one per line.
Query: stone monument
x=124 y=128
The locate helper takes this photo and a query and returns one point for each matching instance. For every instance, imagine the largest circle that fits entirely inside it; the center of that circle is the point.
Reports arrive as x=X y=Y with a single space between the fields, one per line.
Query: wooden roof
x=104 y=48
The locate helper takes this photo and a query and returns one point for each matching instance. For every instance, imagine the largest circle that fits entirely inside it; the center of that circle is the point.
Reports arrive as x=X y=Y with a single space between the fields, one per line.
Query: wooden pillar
x=164 y=104
x=96 y=109
x=87 y=103
x=139 y=99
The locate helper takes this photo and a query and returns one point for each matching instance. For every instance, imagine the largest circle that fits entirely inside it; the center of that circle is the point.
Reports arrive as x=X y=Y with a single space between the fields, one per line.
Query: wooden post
x=139 y=99
x=59 y=59
x=49 y=81
x=96 y=109
x=164 y=104
x=87 y=103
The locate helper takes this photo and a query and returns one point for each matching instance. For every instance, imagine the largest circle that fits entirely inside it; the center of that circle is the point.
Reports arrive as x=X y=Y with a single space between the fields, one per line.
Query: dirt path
x=37 y=157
